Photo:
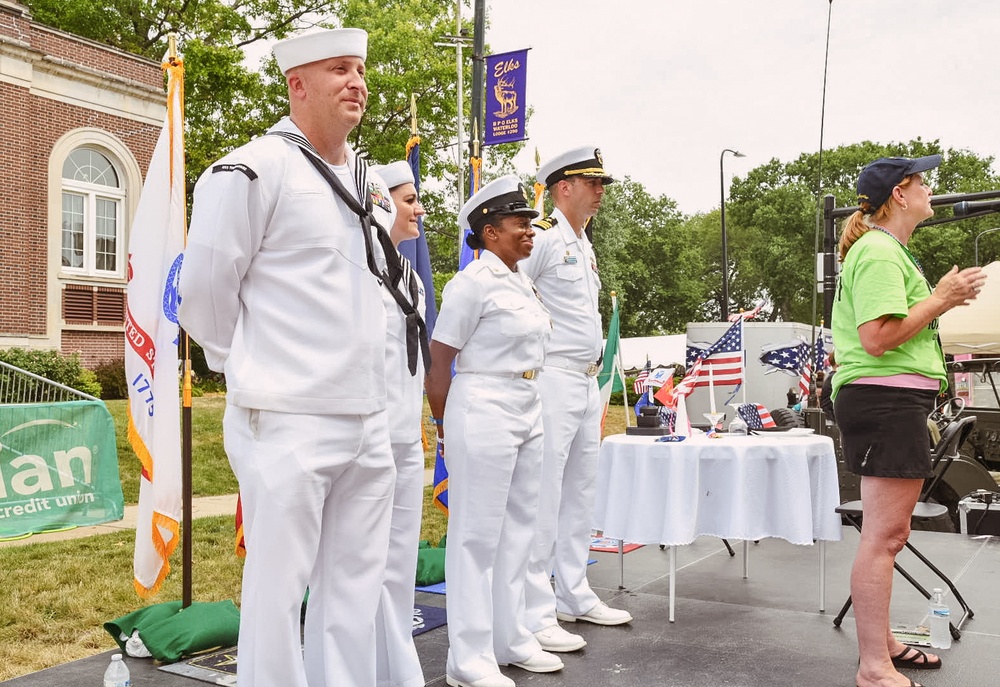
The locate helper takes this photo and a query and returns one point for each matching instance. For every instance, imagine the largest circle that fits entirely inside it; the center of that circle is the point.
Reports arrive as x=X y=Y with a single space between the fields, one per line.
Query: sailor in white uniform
x=494 y=327
x=278 y=287
x=564 y=269
x=397 y=662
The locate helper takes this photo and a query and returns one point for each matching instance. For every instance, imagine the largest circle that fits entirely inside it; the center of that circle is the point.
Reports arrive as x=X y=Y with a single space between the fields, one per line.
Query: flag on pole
x=156 y=245
x=725 y=357
x=822 y=358
x=416 y=251
x=611 y=378
x=792 y=358
x=746 y=314
x=640 y=386
x=539 y=188
x=466 y=255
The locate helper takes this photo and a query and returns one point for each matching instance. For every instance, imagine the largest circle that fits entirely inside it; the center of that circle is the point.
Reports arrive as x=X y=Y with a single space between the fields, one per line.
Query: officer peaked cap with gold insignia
x=579 y=162
x=503 y=196
x=394 y=174
x=320 y=45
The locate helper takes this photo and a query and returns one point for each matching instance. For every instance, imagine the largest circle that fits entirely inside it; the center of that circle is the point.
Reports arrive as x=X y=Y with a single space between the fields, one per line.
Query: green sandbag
x=430 y=567
x=122 y=628
x=170 y=637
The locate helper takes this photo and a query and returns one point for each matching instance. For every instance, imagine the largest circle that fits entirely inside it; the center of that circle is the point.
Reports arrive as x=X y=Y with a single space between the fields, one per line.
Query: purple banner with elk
x=506 y=110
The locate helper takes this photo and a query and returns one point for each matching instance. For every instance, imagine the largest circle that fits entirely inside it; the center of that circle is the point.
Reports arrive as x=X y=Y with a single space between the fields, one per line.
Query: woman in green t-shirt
x=890 y=370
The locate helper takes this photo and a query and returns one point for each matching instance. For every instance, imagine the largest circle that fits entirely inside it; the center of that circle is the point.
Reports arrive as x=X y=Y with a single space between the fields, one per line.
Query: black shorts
x=883 y=430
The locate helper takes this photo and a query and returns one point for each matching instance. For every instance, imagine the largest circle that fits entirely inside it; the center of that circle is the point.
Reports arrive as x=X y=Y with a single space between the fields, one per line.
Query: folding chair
x=943 y=455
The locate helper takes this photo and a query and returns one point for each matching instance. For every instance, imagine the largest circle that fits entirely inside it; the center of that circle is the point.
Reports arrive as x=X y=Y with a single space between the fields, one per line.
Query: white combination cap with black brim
x=503 y=196
x=580 y=162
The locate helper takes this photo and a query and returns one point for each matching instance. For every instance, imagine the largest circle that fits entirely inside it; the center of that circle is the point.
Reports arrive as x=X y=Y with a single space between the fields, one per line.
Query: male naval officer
x=564 y=270
x=281 y=285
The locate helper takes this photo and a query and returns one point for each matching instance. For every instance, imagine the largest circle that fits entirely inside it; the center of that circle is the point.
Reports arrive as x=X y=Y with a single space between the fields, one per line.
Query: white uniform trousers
x=571 y=409
x=493 y=449
x=397 y=662
x=317 y=497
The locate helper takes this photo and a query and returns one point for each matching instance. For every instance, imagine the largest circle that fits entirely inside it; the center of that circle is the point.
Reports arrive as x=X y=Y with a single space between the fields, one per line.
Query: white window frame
x=92 y=193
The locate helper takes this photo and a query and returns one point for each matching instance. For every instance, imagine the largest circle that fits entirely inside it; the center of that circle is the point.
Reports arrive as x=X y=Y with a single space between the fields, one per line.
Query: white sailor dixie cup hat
x=579 y=162
x=320 y=45
x=395 y=174
x=503 y=196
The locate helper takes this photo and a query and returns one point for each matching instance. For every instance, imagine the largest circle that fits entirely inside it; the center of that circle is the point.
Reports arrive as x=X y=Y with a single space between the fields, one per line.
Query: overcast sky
x=663 y=86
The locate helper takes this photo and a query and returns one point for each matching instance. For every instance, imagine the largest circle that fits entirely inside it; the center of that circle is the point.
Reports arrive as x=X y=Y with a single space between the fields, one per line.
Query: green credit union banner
x=58 y=467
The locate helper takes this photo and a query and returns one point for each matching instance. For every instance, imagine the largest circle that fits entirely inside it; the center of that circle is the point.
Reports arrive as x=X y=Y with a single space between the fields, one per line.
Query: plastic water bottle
x=117 y=673
x=738 y=426
x=939 y=618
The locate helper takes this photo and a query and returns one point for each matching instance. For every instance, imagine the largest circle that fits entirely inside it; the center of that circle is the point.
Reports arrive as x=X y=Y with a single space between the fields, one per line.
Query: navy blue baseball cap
x=877 y=180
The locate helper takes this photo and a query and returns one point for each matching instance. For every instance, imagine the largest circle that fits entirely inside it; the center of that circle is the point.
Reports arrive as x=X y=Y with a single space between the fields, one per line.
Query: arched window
x=93 y=234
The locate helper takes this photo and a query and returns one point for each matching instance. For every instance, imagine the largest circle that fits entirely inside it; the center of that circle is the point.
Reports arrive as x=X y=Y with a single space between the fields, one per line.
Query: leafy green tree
x=651 y=258
x=772 y=220
x=229 y=101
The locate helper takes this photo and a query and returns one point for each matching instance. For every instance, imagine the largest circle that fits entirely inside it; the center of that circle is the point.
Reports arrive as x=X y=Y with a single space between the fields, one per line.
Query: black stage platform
x=764 y=631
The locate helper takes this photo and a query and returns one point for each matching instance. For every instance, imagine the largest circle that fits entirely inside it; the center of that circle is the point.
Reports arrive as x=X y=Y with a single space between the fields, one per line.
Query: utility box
x=770 y=389
x=978 y=514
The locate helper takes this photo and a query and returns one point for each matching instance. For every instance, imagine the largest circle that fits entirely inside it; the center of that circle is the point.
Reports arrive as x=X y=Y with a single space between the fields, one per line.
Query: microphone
x=968 y=207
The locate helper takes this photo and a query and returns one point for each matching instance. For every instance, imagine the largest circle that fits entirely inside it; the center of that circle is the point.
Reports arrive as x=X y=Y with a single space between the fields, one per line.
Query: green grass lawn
x=55 y=596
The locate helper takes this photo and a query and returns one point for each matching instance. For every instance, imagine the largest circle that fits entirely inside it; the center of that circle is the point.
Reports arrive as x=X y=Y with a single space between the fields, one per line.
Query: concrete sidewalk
x=201 y=507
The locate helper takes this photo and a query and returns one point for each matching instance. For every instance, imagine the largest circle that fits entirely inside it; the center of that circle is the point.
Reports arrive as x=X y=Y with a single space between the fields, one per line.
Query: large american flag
x=724 y=357
x=792 y=358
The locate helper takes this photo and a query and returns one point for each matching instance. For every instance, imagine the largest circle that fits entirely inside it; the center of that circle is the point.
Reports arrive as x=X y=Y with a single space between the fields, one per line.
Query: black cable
x=988 y=500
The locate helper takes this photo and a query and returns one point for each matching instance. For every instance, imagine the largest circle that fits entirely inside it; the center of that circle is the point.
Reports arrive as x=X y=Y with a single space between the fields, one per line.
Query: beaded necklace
x=902 y=245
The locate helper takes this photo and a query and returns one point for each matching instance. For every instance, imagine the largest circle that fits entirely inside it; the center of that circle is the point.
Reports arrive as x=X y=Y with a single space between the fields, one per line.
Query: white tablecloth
x=744 y=488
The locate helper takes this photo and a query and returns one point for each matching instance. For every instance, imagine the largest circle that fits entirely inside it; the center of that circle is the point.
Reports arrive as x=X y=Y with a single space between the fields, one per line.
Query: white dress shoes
x=601 y=614
x=540 y=662
x=497 y=680
x=554 y=638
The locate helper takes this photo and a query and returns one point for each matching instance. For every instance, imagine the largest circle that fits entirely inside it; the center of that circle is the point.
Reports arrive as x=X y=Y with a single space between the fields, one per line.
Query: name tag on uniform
x=569 y=259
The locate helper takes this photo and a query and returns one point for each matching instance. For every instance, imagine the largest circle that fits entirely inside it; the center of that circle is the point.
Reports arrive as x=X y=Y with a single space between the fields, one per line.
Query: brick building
x=78 y=123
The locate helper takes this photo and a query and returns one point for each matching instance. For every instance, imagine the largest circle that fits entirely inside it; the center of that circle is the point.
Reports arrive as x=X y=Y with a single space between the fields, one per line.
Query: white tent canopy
x=660 y=350
x=975 y=328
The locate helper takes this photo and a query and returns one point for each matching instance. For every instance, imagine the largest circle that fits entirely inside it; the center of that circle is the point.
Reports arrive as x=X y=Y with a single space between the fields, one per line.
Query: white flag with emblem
x=156 y=245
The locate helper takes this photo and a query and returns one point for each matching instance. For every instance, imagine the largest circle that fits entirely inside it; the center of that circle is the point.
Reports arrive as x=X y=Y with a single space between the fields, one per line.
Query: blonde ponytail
x=865 y=219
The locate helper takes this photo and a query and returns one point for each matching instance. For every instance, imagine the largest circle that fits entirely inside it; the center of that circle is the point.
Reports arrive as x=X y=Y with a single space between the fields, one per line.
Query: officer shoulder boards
x=545 y=222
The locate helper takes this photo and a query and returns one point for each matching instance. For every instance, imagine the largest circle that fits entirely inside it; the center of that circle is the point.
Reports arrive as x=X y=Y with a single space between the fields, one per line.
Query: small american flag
x=756 y=416
x=745 y=315
x=640 y=385
x=822 y=362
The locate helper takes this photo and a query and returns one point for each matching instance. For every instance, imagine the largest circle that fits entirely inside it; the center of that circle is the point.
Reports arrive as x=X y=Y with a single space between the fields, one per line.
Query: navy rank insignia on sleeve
x=378 y=198
x=545 y=222
x=235 y=167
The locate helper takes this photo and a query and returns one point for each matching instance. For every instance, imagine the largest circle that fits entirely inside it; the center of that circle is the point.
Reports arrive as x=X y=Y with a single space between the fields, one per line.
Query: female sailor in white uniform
x=397 y=662
x=494 y=327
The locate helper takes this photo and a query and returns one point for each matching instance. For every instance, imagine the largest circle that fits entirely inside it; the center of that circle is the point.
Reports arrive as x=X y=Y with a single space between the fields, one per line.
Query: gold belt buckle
x=530 y=374
x=592 y=370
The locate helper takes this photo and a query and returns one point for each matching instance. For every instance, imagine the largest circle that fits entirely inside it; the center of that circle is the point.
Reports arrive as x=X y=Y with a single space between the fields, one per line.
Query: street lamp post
x=725 y=244
x=988 y=231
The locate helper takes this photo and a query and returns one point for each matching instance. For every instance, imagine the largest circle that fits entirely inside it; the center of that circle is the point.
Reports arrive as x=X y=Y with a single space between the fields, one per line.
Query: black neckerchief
x=397 y=267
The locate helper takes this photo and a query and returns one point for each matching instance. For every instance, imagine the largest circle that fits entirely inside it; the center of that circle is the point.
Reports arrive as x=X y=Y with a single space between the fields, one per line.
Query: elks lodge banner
x=506 y=110
x=58 y=467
